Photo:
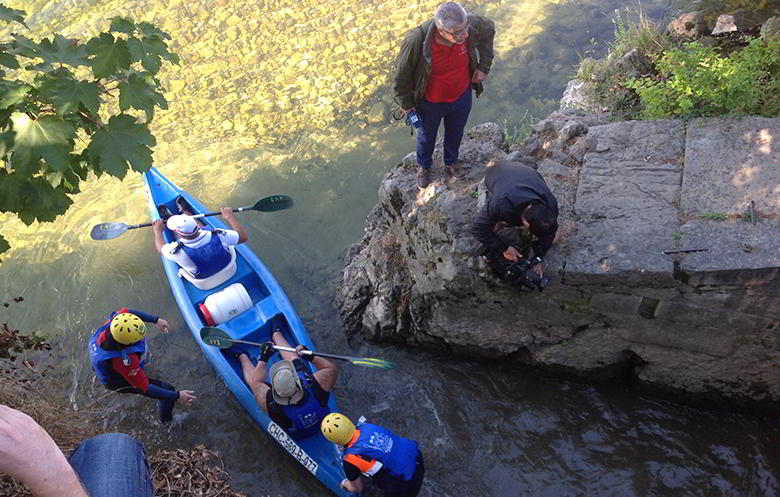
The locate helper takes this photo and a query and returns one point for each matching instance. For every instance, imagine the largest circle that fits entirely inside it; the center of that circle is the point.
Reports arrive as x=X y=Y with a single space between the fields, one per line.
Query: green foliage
x=108 y=55
x=715 y=216
x=607 y=78
x=58 y=122
x=12 y=15
x=516 y=131
x=696 y=80
x=123 y=141
x=642 y=34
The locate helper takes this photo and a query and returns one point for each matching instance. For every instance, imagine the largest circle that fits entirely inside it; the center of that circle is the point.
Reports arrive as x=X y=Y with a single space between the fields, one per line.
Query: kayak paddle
x=218 y=338
x=107 y=231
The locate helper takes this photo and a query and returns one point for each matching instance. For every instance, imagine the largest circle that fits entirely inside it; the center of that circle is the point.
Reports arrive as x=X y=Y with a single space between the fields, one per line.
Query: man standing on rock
x=440 y=62
x=517 y=196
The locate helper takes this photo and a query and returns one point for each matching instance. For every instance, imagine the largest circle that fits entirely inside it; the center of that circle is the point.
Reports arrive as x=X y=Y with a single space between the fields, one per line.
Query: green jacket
x=413 y=66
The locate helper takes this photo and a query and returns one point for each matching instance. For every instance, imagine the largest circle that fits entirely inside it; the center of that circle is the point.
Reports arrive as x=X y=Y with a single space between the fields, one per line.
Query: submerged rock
x=704 y=323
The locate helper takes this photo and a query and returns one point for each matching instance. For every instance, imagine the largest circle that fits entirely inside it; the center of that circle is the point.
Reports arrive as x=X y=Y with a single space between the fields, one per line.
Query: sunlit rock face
x=703 y=323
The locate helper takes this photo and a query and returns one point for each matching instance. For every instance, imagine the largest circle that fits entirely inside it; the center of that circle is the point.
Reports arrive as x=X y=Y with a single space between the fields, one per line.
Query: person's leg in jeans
x=430 y=118
x=113 y=465
x=454 y=124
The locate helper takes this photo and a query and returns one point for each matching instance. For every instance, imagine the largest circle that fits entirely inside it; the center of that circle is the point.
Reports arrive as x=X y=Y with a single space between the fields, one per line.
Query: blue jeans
x=113 y=465
x=455 y=115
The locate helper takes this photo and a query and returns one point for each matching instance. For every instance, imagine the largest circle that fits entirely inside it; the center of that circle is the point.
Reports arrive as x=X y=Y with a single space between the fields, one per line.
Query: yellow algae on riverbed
x=255 y=76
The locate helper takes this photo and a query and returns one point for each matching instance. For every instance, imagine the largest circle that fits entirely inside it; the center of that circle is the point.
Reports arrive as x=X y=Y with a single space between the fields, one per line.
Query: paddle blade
x=372 y=362
x=215 y=337
x=107 y=231
x=273 y=203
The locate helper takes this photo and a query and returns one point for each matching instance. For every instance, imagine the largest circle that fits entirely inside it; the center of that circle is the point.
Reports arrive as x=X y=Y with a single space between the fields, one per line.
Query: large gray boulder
x=703 y=323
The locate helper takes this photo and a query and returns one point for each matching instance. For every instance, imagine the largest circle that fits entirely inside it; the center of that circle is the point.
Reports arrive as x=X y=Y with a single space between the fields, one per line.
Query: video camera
x=519 y=273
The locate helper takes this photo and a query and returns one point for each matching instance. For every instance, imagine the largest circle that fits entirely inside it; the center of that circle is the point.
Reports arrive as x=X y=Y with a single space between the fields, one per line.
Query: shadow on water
x=485 y=429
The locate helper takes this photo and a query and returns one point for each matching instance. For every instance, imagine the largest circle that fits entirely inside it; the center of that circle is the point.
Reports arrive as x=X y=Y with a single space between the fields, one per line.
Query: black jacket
x=511 y=187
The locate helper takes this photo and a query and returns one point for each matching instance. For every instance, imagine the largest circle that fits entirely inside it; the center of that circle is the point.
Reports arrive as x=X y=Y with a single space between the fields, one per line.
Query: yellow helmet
x=127 y=328
x=337 y=428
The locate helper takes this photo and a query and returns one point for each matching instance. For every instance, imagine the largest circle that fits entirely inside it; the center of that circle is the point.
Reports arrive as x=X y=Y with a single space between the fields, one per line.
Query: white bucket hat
x=285 y=383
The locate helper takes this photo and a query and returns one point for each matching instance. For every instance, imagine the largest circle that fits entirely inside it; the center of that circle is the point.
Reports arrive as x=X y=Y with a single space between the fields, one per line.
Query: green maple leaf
x=8 y=59
x=3 y=245
x=66 y=93
x=59 y=50
x=150 y=51
x=54 y=178
x=41 y=201
x=122 y=142
x=107 y=55
x=12 y=15
x=9 y=188
x=48 y=138
x=139 y=94
x=6 y=142
x=122 y=25
x=12 y=93
x=151 y=30
x=31 y=198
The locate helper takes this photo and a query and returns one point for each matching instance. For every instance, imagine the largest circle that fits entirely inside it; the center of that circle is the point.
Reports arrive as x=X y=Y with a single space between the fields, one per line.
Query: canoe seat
x=215 y=279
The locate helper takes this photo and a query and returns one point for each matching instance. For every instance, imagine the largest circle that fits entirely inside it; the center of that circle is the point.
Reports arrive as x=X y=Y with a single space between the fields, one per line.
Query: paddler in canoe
x=199 y=253
x=296 y=399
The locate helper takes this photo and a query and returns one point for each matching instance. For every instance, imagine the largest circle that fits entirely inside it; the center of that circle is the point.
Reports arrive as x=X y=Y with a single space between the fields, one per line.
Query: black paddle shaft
x=197 y=216
x=264 y=204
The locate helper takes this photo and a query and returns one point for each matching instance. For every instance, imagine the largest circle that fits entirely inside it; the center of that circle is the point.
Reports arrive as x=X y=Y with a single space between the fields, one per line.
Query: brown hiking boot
x=423 y=177
x=455 y=170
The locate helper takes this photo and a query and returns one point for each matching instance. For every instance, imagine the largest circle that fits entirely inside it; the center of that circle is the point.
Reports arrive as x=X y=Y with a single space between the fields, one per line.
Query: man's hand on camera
x=512 y=254
x=538 y=269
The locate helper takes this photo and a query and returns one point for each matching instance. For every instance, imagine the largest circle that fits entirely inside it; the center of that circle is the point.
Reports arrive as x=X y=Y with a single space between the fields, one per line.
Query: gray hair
x=449 y=15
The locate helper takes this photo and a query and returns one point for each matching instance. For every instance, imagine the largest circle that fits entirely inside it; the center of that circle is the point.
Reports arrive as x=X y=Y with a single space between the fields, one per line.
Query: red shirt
x=133 y=372
x=449 y=72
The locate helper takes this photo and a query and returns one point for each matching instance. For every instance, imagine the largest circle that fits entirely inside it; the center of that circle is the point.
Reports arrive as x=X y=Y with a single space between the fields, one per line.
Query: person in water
x=200 y=251
x=393 y=462
x=296 y=399
x=118 y=352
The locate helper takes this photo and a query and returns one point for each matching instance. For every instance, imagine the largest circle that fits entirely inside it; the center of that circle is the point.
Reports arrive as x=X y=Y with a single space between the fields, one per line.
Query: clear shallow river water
x=293 y=97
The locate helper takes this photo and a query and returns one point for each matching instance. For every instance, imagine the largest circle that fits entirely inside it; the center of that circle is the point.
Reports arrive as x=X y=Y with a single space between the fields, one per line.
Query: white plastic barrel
x=226 y=304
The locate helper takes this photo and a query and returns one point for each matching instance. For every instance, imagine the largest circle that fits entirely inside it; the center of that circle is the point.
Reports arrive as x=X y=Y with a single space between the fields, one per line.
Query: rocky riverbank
x=704 y=324
x=702 y=321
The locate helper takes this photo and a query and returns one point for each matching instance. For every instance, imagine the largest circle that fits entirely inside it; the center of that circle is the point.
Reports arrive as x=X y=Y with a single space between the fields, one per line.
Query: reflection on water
x=293 y=97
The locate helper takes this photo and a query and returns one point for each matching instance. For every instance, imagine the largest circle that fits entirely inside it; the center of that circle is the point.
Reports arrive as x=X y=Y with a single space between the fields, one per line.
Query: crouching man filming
x=517 y=196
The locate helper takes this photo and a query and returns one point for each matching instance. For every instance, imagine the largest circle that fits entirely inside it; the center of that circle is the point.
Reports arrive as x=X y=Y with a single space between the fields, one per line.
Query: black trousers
x=415 y=484
x=158 y=389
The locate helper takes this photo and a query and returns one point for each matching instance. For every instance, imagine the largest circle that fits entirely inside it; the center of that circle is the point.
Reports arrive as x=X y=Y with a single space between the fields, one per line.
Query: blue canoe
x=270 y=307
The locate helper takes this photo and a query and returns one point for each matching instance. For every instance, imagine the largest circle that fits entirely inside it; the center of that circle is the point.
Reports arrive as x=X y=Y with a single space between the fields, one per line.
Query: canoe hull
x=270 y=309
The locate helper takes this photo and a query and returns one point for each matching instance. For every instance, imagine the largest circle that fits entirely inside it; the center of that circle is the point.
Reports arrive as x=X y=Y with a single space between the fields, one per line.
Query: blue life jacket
x=101 y=358
x=208 y=259
x=307 y=415
x=398 y=455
